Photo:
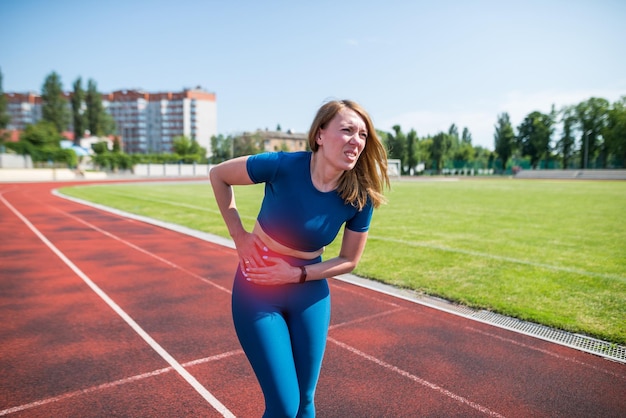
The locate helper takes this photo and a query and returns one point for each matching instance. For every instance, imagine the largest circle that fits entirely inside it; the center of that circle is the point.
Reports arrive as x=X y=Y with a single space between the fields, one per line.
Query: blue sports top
x=294 y=212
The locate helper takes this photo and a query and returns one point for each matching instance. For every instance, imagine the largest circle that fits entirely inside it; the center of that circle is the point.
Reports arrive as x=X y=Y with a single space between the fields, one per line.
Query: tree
x=182 y=145
x=196 y=149
x=453 y=135
x=188 y=149
x=247 y=145
x=424 y=150
x=565 y=146
x=483 y=157
x=615 y=131
x=40 y=140
x=412 y=148
x=78 y=97
x=95 y=110
x=591 y=116
x=533 y=137
x=53 y=107
x=222 y=149
x=453 y=131
x=504 y=139
x=466 y=137
x=463 y=155
x=4 y=115
x=397 y=146
x=440 y=146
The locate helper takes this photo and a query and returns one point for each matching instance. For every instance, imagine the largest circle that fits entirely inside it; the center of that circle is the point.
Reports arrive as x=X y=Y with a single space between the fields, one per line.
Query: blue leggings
x=282 y=329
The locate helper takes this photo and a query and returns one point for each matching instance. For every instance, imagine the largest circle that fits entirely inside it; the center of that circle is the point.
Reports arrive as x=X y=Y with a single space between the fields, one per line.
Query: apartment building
x=24 y=109
x=145 y=122
x=148 y=122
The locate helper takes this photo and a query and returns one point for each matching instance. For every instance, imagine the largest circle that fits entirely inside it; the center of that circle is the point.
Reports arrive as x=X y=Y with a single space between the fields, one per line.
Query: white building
x=146 y=122
x=23 y=109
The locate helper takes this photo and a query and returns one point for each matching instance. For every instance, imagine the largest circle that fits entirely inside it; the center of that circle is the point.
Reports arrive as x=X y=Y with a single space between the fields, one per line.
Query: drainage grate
x=579 y=342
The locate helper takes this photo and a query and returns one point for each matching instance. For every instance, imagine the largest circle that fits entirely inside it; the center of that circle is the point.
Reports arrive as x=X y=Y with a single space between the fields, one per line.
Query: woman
x=281 y=300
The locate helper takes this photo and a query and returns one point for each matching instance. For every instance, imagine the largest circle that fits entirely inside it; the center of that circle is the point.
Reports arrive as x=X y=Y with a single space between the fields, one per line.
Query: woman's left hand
x=276 y=271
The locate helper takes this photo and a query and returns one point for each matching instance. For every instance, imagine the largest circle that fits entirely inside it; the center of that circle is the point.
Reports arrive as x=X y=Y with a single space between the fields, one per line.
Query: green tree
x=78 y=98
x=117 y=147
x=182 y=145
x=107 y=123
x=592 y=115
x=566 y=145
x=466 y=137
x=95 y=110
x=412 y=150
x=53 y=107
x=615 y=131
x=534 y=135
x=4 y=115
x=464 y=155
x=196 y=149
x=100 y=147
x=439 y=148
x=188 y=149
x=41 y=141
x=453 y=131
x=397 y=146
x=483 y=157
x=425 y=156
x=222 y=148
x=247 y=145
x=504 y=139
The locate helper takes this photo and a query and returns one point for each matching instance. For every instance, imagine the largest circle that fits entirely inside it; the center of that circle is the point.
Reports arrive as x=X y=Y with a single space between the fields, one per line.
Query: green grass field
x=551 y=252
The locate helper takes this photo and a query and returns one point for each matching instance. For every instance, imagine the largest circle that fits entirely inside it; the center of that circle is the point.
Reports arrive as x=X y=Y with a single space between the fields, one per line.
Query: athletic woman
x=281 y=300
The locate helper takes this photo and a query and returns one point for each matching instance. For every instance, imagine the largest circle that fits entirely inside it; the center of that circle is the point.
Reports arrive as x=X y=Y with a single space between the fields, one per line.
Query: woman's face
x=343 y=139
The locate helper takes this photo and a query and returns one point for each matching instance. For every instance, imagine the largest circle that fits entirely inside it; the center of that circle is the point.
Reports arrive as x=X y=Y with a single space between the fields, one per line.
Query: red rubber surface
x=65 y=352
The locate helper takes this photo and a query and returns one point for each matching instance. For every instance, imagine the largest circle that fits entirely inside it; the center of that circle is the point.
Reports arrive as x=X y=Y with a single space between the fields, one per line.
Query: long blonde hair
x=369 y=175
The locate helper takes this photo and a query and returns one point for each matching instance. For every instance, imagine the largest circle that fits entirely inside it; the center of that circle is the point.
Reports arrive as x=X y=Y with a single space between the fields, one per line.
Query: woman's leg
x=265 y=338
x=308 y=320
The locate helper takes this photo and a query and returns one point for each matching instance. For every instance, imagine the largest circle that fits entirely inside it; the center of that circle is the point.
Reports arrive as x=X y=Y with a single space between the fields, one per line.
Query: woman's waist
x=279 y=248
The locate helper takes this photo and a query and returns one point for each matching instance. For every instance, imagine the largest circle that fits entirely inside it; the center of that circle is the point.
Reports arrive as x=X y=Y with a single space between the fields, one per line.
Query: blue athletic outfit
x=283 y=329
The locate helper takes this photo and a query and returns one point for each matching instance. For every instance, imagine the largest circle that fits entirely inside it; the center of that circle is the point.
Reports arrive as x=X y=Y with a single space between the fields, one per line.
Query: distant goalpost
x=394 y=168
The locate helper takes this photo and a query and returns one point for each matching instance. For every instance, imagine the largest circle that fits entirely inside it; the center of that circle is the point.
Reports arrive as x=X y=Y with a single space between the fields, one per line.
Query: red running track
x=103 y=316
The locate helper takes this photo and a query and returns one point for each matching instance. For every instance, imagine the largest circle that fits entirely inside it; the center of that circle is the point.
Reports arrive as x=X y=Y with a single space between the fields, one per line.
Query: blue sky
x=420 y=64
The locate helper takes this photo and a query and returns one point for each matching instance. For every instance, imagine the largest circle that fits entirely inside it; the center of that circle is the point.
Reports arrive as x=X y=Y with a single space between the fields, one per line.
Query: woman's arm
x=278 y=271
x=223 y=176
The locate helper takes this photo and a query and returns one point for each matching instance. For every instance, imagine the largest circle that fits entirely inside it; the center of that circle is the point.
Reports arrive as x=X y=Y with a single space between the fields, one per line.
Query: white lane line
x=146 y=252
x=215 y=403
x=366 y=318
x=114 y=383
x=419 y=380
x=547 y=352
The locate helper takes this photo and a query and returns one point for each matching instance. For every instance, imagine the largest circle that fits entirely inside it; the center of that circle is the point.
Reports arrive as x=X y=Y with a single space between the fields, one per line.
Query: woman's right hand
x=250 y=249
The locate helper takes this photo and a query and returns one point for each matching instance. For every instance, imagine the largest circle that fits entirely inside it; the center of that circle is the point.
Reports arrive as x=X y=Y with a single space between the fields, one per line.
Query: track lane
x=386 y=357
x=71 y=240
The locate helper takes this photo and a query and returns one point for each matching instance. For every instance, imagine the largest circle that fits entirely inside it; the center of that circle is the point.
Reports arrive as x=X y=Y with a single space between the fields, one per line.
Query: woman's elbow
x=350 y=265
x=214 y=174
